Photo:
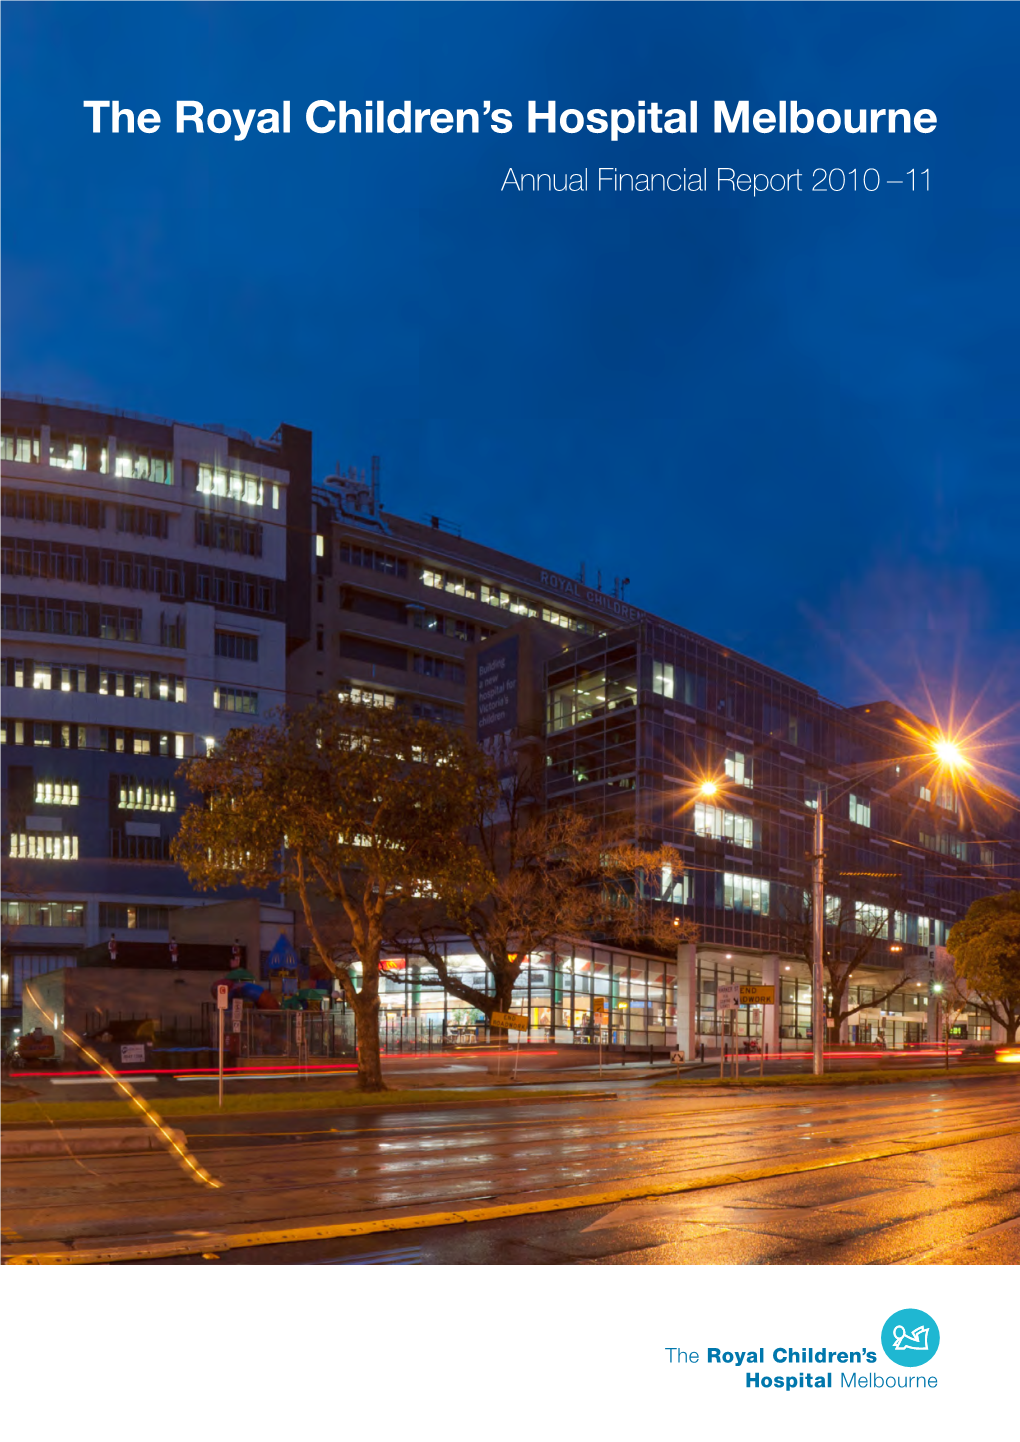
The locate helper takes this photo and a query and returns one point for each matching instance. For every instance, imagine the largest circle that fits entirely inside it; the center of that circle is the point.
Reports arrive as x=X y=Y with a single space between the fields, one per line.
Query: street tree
x=548 y=875
x=985 y=947
x=361 y=812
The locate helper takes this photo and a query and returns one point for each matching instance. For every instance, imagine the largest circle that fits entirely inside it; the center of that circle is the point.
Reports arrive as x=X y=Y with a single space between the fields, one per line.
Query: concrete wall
x=73 y=992
x=255 y=924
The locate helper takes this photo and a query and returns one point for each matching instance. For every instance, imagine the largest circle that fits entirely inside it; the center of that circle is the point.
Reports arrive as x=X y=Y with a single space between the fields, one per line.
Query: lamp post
x=943 y=752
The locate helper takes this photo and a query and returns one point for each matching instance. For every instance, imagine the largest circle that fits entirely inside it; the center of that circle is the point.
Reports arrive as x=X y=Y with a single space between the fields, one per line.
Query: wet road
x=957 y=1203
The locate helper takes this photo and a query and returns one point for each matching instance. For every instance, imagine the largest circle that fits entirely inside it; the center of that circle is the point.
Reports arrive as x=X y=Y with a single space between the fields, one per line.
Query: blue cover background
x=790 y=420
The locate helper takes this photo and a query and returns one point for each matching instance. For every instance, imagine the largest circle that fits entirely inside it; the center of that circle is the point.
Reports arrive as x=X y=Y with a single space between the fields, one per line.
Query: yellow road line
x=221 y=1242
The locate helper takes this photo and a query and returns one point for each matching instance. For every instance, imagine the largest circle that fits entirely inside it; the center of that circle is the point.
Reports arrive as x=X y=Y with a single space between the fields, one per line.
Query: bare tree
x=849 y=945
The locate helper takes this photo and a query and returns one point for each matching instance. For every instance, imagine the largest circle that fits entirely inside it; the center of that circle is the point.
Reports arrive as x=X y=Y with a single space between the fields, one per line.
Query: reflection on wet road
x=326 y=1168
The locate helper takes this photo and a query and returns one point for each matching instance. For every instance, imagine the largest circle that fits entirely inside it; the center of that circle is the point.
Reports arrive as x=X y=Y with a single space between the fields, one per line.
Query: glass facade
x=639 y=720
x=556 y=990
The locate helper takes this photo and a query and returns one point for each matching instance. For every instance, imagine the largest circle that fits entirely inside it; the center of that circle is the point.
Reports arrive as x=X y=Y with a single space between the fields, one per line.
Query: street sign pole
x=761 y=1044
x=818 y=946
x=222 y=997
x=219 y=1016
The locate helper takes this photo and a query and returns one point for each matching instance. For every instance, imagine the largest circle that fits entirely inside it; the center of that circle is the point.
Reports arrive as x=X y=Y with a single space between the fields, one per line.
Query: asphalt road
x=955 y=1203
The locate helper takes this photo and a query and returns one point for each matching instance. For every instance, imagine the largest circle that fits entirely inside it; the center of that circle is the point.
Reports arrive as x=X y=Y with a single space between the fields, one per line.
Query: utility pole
x=818 y=942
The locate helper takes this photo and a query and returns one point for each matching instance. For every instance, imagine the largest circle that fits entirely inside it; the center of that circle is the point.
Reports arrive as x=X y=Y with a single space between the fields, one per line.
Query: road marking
x=228 y=1241
x=259 y=1075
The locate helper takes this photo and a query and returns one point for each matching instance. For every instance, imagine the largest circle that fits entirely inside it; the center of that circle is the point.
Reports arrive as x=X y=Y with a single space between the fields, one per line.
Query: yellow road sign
x=510 y=1020
x=757 y=996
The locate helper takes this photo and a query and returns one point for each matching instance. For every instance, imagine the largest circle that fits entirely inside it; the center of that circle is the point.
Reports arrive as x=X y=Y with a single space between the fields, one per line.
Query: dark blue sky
x=791 y=420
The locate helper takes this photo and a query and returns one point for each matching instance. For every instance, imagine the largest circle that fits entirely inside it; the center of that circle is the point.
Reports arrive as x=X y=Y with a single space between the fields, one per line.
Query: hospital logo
x=910 y=1338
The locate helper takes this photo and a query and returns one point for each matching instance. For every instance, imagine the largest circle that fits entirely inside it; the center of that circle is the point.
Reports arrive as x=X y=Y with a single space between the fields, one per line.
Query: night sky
x=791 y=420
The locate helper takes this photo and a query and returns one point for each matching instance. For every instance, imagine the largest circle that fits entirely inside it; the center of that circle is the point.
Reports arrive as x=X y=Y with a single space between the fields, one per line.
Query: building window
x=42 y=913
x=139 y=521
x=430 y=711
x=506 y=601
x=78 y=453
x=55 y=509
x=45 y=615
x=360 y=696
x=115 y=917
x=745 y=893
x=723 y=825
x=592 y=695
x=569 y=623
x=223 y=533
x=19 y=444
x=440 y=669
x=946 y=843
x=139 y=848
x=118 y=623
x=914 y=930
x=945 y=797
x=662 y=679
x=454 y=626
x=56 y=793
x=233 y=485
x=450 y=581
x=237 y=647
x=43 y=846
x=871 y=920
x=228 y=698
x=675 y=889
x=381 y=561
x=143 y=795
x=860 y=810
x=739 y=768
x=141 y=463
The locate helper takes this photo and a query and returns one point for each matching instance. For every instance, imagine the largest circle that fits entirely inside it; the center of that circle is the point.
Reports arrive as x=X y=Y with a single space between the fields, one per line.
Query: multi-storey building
x=155 y=576
x=641 y=719
x=398 y=602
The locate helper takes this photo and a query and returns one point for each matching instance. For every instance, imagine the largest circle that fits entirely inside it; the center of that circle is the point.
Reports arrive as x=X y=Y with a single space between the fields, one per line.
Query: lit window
x=140 y=463
x=360 y=696
x=860 y=810
x=20 y=445
x=56 y=793
x=215 y=481
x=745 y=893
x=43 y=846
x=871 y=920
x=228 y=698
x=739 y=768
x=723 y=825
x=320 y=545
x=662 y=679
